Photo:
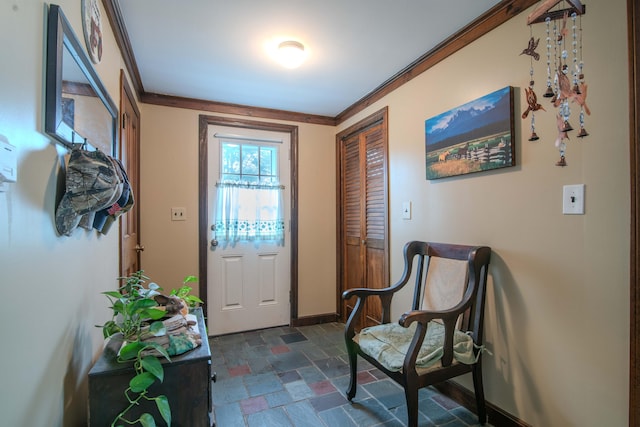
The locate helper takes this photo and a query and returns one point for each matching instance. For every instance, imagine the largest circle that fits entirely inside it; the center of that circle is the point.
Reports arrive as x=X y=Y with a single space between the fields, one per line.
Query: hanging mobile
x=549 y=93
x=564 y=88
x=580 y=87
x=532 y=99
x=563 y=91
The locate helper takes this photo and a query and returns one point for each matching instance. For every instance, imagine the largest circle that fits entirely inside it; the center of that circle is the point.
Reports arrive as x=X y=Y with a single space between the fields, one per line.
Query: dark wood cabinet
x=187 y=385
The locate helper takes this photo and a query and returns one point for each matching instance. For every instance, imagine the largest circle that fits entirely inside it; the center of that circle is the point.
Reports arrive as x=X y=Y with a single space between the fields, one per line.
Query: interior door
x=248 y=282
x=129 y=152
x=363 y=203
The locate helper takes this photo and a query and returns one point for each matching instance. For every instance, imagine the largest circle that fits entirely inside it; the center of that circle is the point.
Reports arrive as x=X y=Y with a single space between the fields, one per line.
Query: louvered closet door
x=364 y=217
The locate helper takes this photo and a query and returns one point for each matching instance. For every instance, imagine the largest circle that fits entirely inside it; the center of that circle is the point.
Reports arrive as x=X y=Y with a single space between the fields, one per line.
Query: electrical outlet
x=178 y=214
x=573 y=199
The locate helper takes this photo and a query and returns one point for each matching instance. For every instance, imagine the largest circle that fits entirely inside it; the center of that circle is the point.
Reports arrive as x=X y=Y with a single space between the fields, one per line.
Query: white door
x=248 y=279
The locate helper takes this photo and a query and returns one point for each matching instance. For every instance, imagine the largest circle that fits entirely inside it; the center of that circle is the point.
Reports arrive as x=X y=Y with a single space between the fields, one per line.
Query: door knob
x=139 y=248
x=214 y=243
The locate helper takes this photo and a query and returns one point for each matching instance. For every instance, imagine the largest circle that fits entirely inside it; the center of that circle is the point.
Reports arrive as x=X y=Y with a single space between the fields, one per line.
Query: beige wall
x=169 y=178
x=557 y=321
x=51 y=284
x=558 y=307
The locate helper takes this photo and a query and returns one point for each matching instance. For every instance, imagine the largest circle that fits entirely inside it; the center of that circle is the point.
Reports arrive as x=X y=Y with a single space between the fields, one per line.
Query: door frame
x=380 y=116
x=633 y=22
x=126 y=94
x=203 y=170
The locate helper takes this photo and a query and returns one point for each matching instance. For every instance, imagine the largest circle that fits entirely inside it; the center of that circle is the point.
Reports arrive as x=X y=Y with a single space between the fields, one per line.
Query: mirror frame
x=60 y=36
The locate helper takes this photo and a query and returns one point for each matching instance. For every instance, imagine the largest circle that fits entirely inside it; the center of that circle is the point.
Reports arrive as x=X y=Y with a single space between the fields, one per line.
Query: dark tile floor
x=298 y=377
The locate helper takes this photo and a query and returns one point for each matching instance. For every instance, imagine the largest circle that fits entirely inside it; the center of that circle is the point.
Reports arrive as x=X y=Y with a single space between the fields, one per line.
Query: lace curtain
x=249 y=212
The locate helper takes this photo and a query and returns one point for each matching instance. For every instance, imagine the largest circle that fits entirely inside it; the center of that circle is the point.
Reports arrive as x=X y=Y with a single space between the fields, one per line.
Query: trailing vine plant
x=133 y=308
x=184 y=293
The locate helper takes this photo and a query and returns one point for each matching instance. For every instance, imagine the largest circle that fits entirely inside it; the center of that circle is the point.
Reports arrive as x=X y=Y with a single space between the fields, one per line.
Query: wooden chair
x=441 y=337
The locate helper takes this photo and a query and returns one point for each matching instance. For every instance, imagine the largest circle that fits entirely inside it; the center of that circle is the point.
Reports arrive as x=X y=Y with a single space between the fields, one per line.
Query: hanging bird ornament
x=532 y=101
x=581 y=98
x=563 y=31
x=564 y=87
x=531 y=49
x=530 y=95
x=560 y=144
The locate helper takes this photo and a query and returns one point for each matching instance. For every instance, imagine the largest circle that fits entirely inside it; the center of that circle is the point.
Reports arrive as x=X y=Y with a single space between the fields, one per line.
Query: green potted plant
x=136 y=316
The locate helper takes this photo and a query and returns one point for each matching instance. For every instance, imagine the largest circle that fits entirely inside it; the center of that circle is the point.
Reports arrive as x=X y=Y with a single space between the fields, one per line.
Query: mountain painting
x=473 y=137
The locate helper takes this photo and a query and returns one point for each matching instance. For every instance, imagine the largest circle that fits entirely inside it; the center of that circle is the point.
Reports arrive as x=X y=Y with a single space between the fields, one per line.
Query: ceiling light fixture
x=291 y=54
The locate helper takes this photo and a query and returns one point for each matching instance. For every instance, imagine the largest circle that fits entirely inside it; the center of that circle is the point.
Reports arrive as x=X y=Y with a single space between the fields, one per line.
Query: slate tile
x=288 y=361
x=328 y=401
x=228 y=391
x=322 y=387
x=332 y=367
x=293 y=337
x=263 y=384
x=229 y=415
x=278 y=398
x=253 y=405
x=289 y=376
x=336 y=417
x=299 y=390
x=269 y=418
x=303 y=414
x=387 y=392
x=368 y=413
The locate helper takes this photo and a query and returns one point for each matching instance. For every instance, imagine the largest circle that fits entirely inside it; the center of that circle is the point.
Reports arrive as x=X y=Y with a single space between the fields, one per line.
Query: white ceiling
x=214 y=50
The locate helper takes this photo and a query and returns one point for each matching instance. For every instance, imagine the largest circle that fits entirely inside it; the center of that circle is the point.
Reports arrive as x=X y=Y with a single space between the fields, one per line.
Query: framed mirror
x=78 y=109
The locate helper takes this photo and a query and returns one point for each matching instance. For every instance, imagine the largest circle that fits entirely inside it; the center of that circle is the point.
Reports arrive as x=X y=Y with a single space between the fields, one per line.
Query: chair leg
x=353 y=367
x=411 y=394
x=479 y=392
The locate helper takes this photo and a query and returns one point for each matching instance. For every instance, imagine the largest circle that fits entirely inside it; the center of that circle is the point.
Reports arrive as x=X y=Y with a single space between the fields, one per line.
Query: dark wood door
x=129 y=152
x=363 y=212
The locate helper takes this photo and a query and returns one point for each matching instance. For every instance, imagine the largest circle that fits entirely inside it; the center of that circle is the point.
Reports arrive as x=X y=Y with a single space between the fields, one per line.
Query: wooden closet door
x=363 y=216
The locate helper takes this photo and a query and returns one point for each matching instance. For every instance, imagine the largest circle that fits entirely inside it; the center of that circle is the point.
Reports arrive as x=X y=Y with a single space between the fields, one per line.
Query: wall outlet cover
x=178 y=214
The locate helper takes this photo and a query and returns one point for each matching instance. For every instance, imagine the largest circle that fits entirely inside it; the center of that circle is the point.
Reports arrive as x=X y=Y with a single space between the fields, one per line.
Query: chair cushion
x=388 y=344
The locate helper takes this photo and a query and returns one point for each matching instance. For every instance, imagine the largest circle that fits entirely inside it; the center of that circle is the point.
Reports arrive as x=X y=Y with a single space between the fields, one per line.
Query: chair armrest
x=423 y=317
x=365 y=292
x=385 y=294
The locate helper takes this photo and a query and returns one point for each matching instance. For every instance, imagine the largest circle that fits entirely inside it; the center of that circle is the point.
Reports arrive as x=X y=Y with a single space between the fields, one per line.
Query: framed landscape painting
x=473 y=137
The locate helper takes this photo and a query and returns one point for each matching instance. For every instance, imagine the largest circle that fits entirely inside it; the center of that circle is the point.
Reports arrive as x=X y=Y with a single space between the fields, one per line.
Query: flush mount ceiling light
x=291 y=53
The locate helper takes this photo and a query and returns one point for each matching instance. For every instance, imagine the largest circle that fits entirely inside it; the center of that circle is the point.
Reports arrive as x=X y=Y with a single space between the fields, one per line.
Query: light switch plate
x=406 y=210
x=573 y=199
x=8 y=162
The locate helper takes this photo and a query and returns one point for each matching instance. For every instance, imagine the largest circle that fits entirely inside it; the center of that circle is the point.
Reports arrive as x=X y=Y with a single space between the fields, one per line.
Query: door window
x=249 y=197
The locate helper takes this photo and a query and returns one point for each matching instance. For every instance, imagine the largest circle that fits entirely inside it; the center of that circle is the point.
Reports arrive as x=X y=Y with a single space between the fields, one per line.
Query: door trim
x=126 y=95
x=633 y=21
x=203 y=169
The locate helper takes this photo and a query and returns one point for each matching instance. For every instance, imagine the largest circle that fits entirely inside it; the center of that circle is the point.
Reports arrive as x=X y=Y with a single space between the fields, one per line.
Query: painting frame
x=474 y=137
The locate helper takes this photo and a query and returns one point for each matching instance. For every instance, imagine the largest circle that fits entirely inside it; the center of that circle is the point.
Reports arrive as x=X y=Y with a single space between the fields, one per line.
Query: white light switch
x=406 y=210
x=573 y=199
x=8 y=162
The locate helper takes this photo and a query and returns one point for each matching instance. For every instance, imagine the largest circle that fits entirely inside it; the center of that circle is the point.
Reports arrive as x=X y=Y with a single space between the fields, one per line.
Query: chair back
x=446 y=275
